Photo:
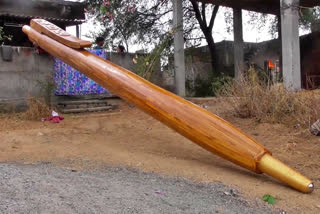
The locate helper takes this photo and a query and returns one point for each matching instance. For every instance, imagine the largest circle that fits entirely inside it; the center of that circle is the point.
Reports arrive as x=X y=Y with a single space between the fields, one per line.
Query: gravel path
x=46 y=189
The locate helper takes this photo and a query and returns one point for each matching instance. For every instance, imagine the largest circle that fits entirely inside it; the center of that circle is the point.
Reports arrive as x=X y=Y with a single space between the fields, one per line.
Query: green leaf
x=269 y=198
x=103 y=9
x=265 y=197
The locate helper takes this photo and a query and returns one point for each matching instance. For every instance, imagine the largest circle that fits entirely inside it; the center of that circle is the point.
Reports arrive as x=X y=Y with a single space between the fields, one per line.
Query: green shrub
x=211 y=86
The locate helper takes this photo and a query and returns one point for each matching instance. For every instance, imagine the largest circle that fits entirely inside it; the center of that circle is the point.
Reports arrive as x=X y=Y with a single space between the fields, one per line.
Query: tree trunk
x=127 y=46
x=207 y=31
x=213 y=53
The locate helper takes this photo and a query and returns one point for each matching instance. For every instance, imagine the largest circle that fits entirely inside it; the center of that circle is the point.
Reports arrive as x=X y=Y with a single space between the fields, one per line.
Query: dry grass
x=250 y=97
x=7 y=108
x=37 y=109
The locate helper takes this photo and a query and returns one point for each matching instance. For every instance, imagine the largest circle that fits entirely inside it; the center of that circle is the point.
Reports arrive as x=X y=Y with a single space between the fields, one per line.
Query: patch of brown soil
x=131 y=138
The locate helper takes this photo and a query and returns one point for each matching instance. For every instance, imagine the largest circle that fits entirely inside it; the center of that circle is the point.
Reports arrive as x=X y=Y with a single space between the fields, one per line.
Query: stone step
x=80 y=102
x=86 y=105
x=83 y=110
x=82 y=105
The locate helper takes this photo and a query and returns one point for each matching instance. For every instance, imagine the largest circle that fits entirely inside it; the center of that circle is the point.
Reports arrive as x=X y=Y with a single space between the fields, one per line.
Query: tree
x=308 y=16
x=146 y=21
x=130 y=21
x=3 y=37
x=207 y=28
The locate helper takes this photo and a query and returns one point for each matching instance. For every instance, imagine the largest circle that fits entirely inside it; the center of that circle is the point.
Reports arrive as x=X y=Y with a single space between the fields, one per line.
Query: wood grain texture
x=53 y=31
x=188 y=119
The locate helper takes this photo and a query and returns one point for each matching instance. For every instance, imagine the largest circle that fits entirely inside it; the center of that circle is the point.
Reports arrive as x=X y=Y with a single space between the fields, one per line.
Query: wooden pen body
x=197 y=124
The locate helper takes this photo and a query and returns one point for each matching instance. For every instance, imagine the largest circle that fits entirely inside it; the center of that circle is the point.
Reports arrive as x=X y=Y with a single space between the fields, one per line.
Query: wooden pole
x=197 y=124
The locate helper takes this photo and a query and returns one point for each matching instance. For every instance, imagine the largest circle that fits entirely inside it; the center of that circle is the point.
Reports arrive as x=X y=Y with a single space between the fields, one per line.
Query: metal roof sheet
x=23 y=16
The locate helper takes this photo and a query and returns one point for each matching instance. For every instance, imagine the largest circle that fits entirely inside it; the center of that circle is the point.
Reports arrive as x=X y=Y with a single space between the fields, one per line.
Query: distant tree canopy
x=130 y=21
x=146 y=22
x=3 y=37
x=309 y=16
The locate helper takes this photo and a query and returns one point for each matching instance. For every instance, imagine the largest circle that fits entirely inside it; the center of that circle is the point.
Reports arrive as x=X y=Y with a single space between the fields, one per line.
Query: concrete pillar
x=179 y=64
x=291 y=69
x=238 y=42
x=78 y=31
x=280 y=42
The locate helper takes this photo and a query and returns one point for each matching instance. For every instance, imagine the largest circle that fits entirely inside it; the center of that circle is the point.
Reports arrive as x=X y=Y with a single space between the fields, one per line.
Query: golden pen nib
x=284 y=173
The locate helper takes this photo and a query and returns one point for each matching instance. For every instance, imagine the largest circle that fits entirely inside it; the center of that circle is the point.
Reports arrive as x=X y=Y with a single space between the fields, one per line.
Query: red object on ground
x=54 y=119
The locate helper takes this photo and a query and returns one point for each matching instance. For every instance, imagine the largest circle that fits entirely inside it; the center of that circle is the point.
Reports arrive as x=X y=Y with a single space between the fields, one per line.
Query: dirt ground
x=128 y=137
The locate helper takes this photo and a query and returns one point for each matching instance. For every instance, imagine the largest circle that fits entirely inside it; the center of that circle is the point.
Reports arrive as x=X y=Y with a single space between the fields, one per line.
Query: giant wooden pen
x=193 y=122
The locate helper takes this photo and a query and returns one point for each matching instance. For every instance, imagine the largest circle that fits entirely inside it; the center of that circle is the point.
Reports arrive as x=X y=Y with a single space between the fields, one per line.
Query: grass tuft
x=37 y=109
x=252 y=98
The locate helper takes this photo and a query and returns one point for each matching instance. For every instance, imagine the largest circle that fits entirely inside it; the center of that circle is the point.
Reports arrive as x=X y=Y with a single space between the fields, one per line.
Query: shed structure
x=288 y=12
x=16 y=13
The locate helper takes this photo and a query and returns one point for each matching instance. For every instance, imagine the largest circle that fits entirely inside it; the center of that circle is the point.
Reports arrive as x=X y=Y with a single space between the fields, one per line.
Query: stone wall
x=269 y=50
x=23 y=73
x=198 y=59
x=198 y=62
x=125 y=60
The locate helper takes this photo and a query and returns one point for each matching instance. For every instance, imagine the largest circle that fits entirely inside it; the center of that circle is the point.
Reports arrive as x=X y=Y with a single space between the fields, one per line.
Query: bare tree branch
x=204 y=13
x=213 y=16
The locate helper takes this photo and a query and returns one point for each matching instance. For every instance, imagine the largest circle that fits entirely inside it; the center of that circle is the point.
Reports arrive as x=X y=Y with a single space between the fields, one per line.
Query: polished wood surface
x=192 y=121
x=53 y=31
x=197 y=124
